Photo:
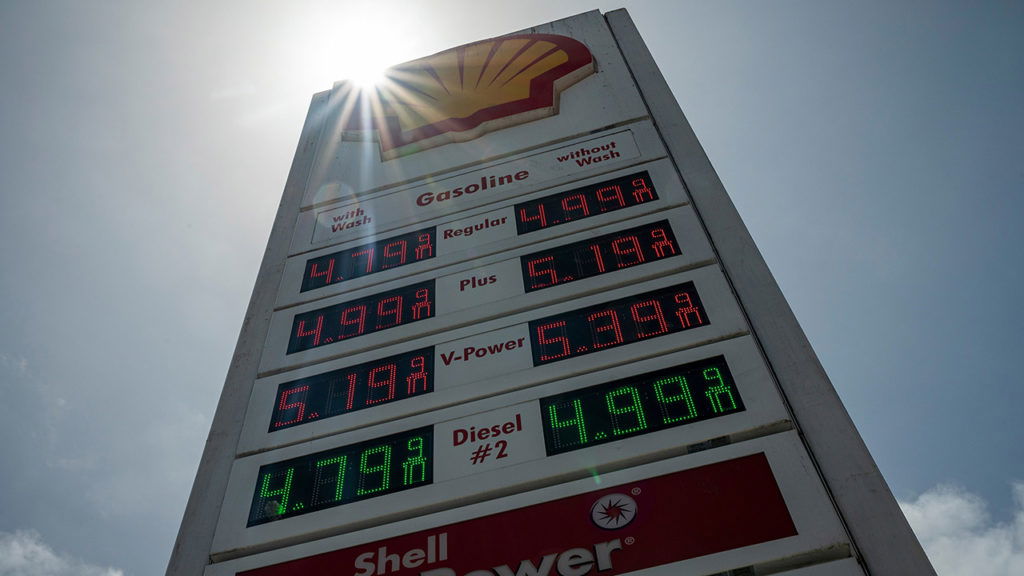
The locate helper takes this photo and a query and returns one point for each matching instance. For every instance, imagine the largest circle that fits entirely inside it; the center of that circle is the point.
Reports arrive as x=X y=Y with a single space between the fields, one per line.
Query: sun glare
x=363 y=57
x=366 y=75
x=344 y=43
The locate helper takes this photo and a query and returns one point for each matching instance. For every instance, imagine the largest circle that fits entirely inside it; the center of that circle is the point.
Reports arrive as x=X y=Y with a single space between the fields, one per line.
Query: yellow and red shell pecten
x=462 y=93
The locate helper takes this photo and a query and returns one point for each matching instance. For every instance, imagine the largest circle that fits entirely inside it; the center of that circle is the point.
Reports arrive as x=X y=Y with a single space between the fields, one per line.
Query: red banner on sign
x=613 y=530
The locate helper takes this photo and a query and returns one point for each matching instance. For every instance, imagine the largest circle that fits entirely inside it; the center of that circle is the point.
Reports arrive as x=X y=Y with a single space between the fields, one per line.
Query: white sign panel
x=491 y=305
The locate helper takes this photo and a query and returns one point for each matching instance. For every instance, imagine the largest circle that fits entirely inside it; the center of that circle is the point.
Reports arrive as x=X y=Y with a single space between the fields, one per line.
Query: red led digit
x=327 y=274
x=627 y=250
x=389 y=307
x=641 y=192
x=393 y=251
x=352 y=380
x=300 y=405
x=424 y=249
x=315 y=333
x=662 y=245
x=417 y=379
x=354 y=316
x=369 y=258
x=610 y=195
x=655 y=314
x=538 y=272
x=576 y=202
x=543 y=340
x=540 y=217
x=686 y=309
x=376 y=382
x=612 y=326
x=421 y=309
x=598 y=257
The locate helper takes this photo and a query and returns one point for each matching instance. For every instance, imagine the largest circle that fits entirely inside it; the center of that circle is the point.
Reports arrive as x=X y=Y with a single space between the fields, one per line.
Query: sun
x=344 y=43
x=366 y=76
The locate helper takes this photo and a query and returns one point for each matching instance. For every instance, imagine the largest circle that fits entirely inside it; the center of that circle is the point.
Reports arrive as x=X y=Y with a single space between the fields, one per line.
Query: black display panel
x=586 y=201
x=363 y=316
x=353 y=388
x=599 y=255
x=342 y=475
x=368 y=259
x=616 y=323
x=638 y=405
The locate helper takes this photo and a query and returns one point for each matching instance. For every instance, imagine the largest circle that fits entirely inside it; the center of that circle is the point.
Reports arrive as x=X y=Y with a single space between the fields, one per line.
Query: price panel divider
x=422 y=305
x=435 y=244
x=382 y=211
x=815 y=534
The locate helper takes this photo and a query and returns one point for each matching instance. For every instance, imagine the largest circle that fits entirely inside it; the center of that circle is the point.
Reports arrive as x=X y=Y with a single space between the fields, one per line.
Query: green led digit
x=575 y=422
x=337 y=479
x=684 y=396
x=715 y=393
x=632 y=406
x=279 y=506
x=384 y=469
x=414 y=463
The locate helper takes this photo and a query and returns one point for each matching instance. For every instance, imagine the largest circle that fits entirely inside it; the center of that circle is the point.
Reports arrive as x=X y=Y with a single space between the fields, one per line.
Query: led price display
x=584 y=202
x=639 y=404
x=606 y=253
x=363 y=316
x=342 y=475
x=369 y=258
x=615 y=323
x=354 y=388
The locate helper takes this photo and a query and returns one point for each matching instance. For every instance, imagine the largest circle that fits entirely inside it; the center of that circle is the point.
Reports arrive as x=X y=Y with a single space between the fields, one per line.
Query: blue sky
x=872 y=148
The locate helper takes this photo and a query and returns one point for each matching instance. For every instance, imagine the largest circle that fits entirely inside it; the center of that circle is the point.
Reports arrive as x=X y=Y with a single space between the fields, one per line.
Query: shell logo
x=462 y=93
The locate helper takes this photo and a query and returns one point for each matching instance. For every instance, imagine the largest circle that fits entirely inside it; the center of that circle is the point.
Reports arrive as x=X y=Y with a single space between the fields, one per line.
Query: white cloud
x=23 y=553
x=14 y=363
x=960 y=537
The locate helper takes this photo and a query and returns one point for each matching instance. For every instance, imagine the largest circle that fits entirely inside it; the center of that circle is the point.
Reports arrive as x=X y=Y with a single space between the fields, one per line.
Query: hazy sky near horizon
x=873 y=149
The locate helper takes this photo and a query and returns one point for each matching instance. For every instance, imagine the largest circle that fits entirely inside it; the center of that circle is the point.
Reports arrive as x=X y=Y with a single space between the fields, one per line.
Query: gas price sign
x=362 y=316
x=638 y=405
x=354 y=388
x=470 y=332
x=584 y=202
x=623 y=408
x=369 y=258
x=600 y=255
x=342 y=475
x=623 y=321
